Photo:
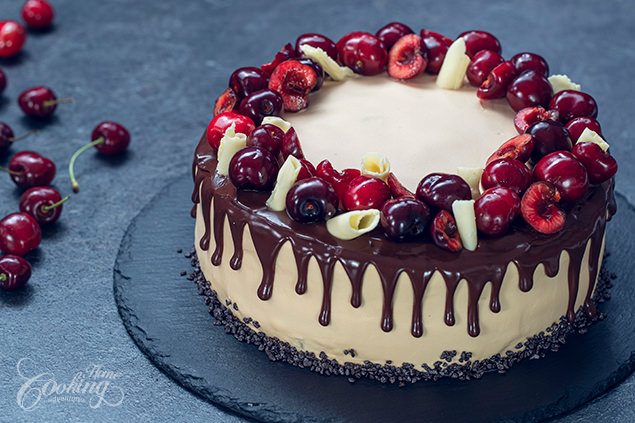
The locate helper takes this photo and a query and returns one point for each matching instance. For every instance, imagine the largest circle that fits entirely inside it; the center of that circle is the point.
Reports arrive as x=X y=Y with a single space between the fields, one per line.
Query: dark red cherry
x=577 y=125
x=404 y=219
x=291 y=145
x=253 y=168
x=287 y=52
x=14 y=272
x=365 y=192
x=572 y=104
x=476 y=41
x=495 y=85
x=19 y=234
x=363 y=53
x=481 y=65
x=40 y=102
x=29 y=169
x=317 y=41
x=268 y=137
x=244 y=81
x=444 y=232
x=3 y=81
x=437 y=46
x=495 y=210
x=307 y=170
x=261 y=103
x=549 y=136
x=440 y=190
x=6 y=137
x=311 y=200
x=508 y=173
x=38 y=13
x=318 y=71
x=392 y=32
x=530 y=61
x=564 y=171
x=338 y=180
x=12 y=38
x=600 y=165
x=529 y=89
x=44 y=204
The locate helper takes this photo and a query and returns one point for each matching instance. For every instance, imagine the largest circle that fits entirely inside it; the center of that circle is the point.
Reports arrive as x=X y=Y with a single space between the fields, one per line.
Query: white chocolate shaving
x=561 y=83
x=454 y=66
x=352 y=224
x=277 y=121
x=465 y=217
x=471 y=175
x=287 y=176
x=589 y=135
x=375 y=165
x=330 y=66
x=230 y=144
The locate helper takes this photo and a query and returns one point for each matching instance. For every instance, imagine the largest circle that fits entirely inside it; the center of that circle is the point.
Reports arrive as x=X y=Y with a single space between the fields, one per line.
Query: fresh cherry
x=404 y=219
x=244 y=81
x=338 y=180
x=564 y=171
x=599 y=164
x=319 y=71
x=436 y=46
x=508 y=173
x=529 y=89
x=476 y=41
x=261 y=103
x=495 y=86
x=287 y=52
x=577 y=125
x=291 y=145
x=311 y=200
x=253 y=168
x=530 y=115
x=226 y=102
x=495 y=210
x=407 y=58
x=549 y=136
x=396 y=188
x=15 y=272
x=7 y=137
x=12 y=38
x=307 y=170
x=268 y=137
x=365 y=192
x=440 y=190
x=481 y=65
x=572 y=104
x=38 y=13
x=364 y=53
x=219 y=124
x=444 y=232
x=44 y=204
x=530 y=61
x=19 y=234
x=519 y=147
x=293 y=81
x=108 y=138
x=29 y=169
x=539 y=209
x=40 y=102
x=317 y=41
x=3 y=81
x=392 y=32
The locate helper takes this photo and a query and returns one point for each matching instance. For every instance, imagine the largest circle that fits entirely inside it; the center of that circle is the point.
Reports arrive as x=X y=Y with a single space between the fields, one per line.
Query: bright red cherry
x=364 y=53
x=365 y=192
x=440 y=190
x=530 y=61
x=404 y=219
x=564 y=171
x=436 y=46
x=3 y=81
x=44 y=204
x=530 y=115
x=40 y=102
x=221 y=122
x=495 y=210
x=307 y=170
x=529 y=89
x=407 y=58
x=476 y=41
x=539 y=209
x=572 y=104
x=577 y=125
x=496 y=83
x=253 y=168
x=508 y=173
x=481 y=65
x=519 y=147
x=444 y=232
x=38 y=13
x=19 y=234
x=599 y=164
x=244 y=81
x=549 y=136
x=29 y=169
x=12 y=38
x=338 y=180
x=317 y=41
x=311 y=200
x=391 y=33
x=14 y=272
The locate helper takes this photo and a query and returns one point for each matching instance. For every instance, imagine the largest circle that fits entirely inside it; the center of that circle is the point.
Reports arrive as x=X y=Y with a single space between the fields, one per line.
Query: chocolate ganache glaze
x=523 y=246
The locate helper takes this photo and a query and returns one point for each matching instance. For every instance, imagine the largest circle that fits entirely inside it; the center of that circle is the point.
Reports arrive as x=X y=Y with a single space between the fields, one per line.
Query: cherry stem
x=52 y=206
x=28 y=134
x=71 y=165
x=49 y=103
x=3 y=277
x=9 y=171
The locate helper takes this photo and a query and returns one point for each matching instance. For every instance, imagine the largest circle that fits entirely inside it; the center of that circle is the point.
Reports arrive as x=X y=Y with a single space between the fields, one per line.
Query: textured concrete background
x=156 y=66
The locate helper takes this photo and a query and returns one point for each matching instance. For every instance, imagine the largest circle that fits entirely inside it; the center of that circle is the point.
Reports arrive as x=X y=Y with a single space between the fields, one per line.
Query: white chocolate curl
x=375 y=165
x=454 y=67
x=277 y=121
x=589 y=135
x=287 y=176
x=465 y=217
x=230 y=144
x=330 y=66
x=352 y=224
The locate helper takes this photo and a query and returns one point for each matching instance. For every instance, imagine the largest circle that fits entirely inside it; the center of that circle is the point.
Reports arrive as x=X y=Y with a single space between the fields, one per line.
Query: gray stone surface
x=156 y=67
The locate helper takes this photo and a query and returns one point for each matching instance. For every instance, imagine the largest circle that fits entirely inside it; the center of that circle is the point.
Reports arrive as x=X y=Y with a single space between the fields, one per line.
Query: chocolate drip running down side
x=526 y=248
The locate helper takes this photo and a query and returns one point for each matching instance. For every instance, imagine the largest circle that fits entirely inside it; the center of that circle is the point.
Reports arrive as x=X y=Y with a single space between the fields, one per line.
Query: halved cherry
x=338 y=180
x=287 y=52
x=519 y=147
x=539 y=209
x=530 y=115
x=407 y=58
x=293 y=81
x=291 y=145
x=226 y=102
x=495 y=86
x=397 y=189
x=444 y=232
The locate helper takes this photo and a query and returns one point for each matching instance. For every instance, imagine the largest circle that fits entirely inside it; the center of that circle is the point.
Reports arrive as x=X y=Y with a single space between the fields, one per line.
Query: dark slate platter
x=170 y=323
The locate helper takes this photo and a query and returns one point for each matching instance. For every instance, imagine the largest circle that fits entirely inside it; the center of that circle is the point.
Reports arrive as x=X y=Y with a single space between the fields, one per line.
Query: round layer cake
x=374 y=301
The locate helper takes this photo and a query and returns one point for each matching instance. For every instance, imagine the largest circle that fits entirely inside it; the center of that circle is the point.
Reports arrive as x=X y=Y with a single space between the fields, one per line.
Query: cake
x=336 y=285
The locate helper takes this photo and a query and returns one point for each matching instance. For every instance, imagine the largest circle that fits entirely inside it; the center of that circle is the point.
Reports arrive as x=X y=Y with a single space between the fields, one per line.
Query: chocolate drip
x=524 y=247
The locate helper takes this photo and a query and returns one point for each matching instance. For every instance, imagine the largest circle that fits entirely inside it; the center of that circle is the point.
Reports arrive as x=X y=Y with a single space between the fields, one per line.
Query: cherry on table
x=15 y=272
x=12 y=38
x=108 y=138
x=3 y=81
x=19 y=234
x=38 y=13
x=28 y=169
x=7 y=136
x=40 y=102
x=44 y=204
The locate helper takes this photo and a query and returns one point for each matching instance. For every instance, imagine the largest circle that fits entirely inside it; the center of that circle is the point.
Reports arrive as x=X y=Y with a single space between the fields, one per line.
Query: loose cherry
x=364 y=53
x=108 y=138
x=244 y=81
x=530 y=61
x=12 y=38
x=476 y=41
x=577 y=125
x=495 y=86
x=508 y=173
x=549 y=136
x=7 y=137
x=495 y=210
x=253 y=168
x=599 y=164
x=19 y=234
x=440 y=190
x=572 y=104
x=444 y=232
x=564 y=171
x=436 y=46
x=221 y=122
x=28 y=169
x=268 y=137
x=261 y=103
x=481 y=65
x=15 y=272
x=40 y=102
x=539 y=209
x=38 y=13
x=530 y=115
x=529 y=89
x=44 y=204
x=404 y=219
x=317 y=41
x=365 y=192
x=390 y=33
x=3 y=81
x=519 y=147
x=311 y=200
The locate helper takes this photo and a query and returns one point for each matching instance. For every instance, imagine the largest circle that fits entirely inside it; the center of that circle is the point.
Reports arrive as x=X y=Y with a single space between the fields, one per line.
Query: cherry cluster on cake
x=531 y=179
